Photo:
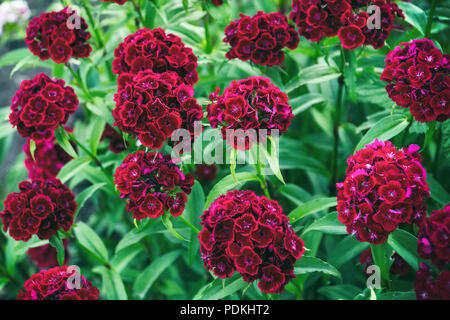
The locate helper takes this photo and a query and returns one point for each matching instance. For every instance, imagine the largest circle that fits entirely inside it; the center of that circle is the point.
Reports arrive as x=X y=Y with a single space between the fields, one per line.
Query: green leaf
x=312 y=264
x=405 y=244
x=304 y=102
x=273 y=158
x=13 y=57
x=339 y=292
x=86 y=194
x=396 y=295
x=192 y=213
x=384 y=129
x=146 y=279
x=233 y=160
x=381 y=257
x=113 y=287
x=328 y=224
x=310 y=207
x=217 y=289
x=91 y=242
x=32 y=149
x=414 y=16
x=135 y=236
x=169 y=226
x=446 y=138
x=96 y=132
x=228 y=183
x=3 y=282
x=347 y=249
x=313 y=74
x=72 y=167
x=122 y=258
x=295 y=193
x=62 y=138
x=437 y=192
x=57 y=243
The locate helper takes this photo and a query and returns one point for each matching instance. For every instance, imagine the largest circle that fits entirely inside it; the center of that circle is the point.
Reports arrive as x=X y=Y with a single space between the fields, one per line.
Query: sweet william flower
x=46 y=256
x=249 y=234
x=432 y=287
x=206 y=172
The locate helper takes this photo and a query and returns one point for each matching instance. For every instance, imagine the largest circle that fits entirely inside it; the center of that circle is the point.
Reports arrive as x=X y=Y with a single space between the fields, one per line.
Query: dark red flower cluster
x=41 y=207
x=153 y=184
x=40 y=105
x=398 y=266
x=58 y=283
x=58 y=36
x=249 y=104
x=152 y=105
x=46 y=256
x=260 y=38
x=434 y=238
x=383 y=188
x=49 y=158
x=419 y=79
x=156 y=51
x=217 y=2
x=348 y=19
x=121 y=2
x=206 y=172
x=249 y=234
x=116 y=143
x=428 y=287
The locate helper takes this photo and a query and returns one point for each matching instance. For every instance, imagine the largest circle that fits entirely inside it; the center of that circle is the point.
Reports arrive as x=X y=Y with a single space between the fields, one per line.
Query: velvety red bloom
x=121 y=2
x=45 y=256
x=430 y=287
x=42 y=207
x=152 y=184
x=40 y=105
x=154 y=50
x=206 y=172
x=419 y=79
x=348 y=19
x=116 y=142
x=58 y=283
x=152 y=106
x=433 y=239
x=383 y=188
x=249 y=234
x=398 y=266
x=246 y=106
x=56 y=35
x=260 y=38
x=217 y=2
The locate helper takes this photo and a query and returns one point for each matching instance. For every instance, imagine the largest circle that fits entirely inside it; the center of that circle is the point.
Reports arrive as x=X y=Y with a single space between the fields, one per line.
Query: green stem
x=137 y=7
x=438 y=152
x=262 y=180
x=98 y=37
x=336 y=124
x=190 y=225
x=80 y=82
x=208 y=48
x=381 y=259
x=405 y=135
x=430 y=19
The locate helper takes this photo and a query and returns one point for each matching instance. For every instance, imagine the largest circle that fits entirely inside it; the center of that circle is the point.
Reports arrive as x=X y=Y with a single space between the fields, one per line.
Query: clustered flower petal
x=399 y=265
x=46 y=256
x=383 y=188
x=429 y=287
x=419 y=79
x=42 y=207
x=116 y=142
x=154 y=50
x=40 y=105
x=59 y=36
x=152 y=184
x=206 y=172
x=434 y=237
x=249 y=234
x=260 y=38
x=152 y=106
x=348 y=19
x=56 y=284
x=217 y=2
x=249 y=105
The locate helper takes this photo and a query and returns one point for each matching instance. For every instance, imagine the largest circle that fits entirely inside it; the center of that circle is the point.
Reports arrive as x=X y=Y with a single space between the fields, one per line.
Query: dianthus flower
x=260 y=38
x=250 y=104
x=156 y=51
x=419 y=79
x=383 y=188
x=206 y=172
x=152 y=184
x=151 y=106
x=56 y=35
x=398 y=266
x=42 y=207
x=46 y=256
x=249 y=234
x=48 y=159
x=217 y=2
x=348 y=19
x=58 y=283
x=40 y=105
x=433 y=239
x=116 y=142
x=428 y=287
x=121 y=2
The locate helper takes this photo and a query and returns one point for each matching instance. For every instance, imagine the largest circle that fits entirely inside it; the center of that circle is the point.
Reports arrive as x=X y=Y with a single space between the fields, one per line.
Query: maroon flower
x=152 y=106
x=42 y=207
x=351 y=37
x=58 y=283
x=40 y=105
x=206 y=172
x=249 y=234
x=116 y=142
x=246 y=106
x=433 y=239
x=217 y=2
x=383 y=188
x=429 y=287
x=45 y=256
x=260 y=38
x=154 y=50
x=152 y=184
x=398 y=266
x=51 y=36
x=418 y=77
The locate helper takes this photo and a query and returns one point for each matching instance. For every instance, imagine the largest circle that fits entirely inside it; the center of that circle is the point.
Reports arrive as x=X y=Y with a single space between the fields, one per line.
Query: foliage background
x=149 y=262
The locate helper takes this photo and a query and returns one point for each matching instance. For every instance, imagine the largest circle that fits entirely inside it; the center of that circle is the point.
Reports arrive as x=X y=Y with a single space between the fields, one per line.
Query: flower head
x=431 y=287
x=46 y=256
x=206 y=172
x=249 y=234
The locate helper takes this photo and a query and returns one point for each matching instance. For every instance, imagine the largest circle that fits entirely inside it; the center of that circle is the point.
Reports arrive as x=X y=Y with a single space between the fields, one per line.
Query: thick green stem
x=80 y=82
x=208 y=48
x=190 y=225
x=430 y=19
x=262 y=180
